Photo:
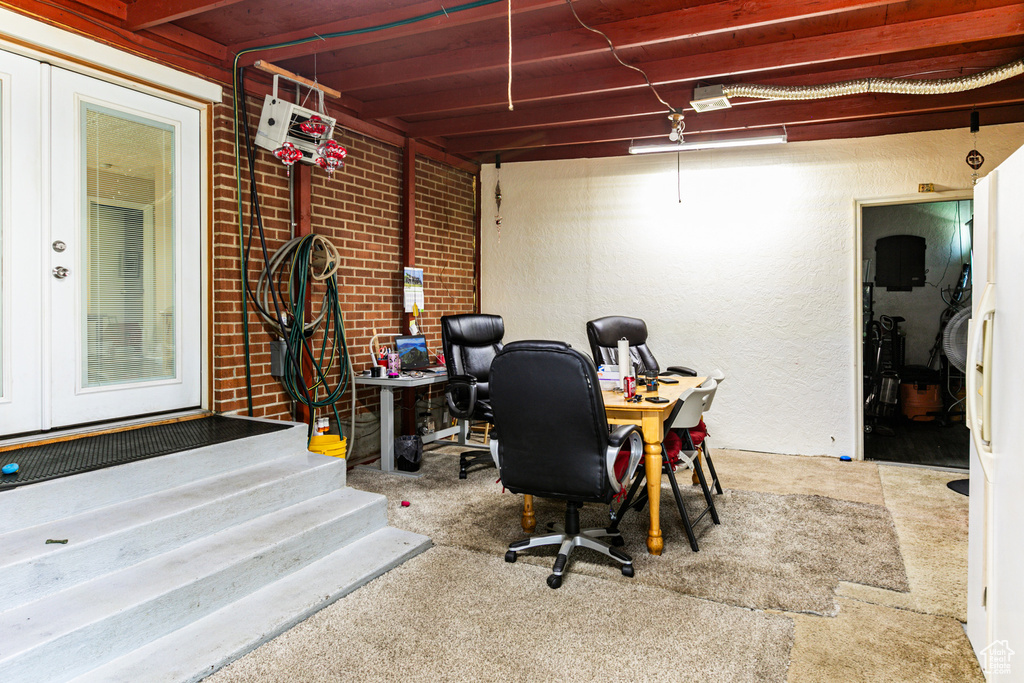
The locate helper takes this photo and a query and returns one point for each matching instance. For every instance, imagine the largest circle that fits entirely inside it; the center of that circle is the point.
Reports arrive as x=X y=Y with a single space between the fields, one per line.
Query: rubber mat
x=65 y=458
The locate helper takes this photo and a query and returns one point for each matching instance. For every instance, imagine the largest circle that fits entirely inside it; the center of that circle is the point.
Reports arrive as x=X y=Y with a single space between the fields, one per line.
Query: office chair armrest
x=461 y=395
x=681 y=370
x=616 y=440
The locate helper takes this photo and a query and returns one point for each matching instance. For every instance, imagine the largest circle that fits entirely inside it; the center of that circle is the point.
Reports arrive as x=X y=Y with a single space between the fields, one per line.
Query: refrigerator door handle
x=979 y=398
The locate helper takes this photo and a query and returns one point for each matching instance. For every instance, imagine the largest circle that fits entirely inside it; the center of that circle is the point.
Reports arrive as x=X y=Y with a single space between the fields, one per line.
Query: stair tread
x=54 y=499
x=200 y=648
x=29 y=544
x=59 y=614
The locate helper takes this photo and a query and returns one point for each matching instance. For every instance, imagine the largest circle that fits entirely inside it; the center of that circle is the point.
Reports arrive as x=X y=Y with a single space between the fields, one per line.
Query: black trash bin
x=408 y=453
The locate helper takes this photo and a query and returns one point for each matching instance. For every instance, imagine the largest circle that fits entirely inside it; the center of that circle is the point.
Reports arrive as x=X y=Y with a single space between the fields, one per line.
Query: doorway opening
x=915 y=298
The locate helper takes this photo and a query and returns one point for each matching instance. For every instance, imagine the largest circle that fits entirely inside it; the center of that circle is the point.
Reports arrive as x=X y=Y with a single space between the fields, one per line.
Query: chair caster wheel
x=462 y=474
x=627 y=570
x=617 y=541
x=510 y=556
x=554 y=581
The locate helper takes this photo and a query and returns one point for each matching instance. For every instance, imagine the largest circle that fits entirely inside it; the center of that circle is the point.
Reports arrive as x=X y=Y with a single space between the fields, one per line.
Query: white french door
x=117 y=256
x=21 y=169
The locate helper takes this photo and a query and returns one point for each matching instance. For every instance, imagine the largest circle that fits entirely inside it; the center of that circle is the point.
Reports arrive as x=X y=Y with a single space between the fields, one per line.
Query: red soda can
x=629 y=387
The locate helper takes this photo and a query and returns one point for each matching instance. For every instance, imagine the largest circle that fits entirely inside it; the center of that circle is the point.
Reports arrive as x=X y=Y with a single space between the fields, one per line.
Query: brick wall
x=360 y=210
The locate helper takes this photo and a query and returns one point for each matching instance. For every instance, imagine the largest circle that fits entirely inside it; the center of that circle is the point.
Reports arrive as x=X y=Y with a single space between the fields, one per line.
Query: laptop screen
x=413 y=352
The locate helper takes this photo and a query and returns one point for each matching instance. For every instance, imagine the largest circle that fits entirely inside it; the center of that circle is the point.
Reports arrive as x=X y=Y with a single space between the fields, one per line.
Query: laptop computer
x=414 y=355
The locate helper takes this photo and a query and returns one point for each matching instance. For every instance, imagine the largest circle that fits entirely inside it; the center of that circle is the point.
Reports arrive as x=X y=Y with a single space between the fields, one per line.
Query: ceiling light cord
x=615 y=54
x=896 y=86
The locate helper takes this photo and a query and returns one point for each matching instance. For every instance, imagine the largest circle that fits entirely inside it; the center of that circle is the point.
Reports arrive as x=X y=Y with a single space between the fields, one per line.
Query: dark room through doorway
x=915 y=300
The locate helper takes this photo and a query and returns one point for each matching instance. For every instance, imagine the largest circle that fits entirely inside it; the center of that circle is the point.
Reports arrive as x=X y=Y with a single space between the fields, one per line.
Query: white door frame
x=858 y=297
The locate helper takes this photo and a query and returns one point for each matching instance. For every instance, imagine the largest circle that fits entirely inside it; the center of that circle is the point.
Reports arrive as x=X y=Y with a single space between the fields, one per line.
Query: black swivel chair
x=604 y=335
x=470 y=342
x=553 y=442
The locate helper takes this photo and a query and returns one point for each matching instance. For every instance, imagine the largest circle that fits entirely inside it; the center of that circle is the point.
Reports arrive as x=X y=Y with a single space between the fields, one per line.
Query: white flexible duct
x=898 y=86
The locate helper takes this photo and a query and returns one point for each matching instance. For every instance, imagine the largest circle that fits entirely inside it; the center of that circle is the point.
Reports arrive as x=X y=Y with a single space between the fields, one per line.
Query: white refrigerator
x=995 y=414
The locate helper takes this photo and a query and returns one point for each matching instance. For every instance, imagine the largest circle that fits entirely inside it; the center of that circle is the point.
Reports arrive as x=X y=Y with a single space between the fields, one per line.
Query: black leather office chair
x=604 y=335
x=553 y=442
x=470 y=342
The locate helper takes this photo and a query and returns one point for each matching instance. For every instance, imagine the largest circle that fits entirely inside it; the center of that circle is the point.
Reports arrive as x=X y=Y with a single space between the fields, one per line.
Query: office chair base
x=568 y=541
x=471 y=459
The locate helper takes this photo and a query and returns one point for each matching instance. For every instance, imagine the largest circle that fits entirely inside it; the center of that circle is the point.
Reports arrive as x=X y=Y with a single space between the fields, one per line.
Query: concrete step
x=82 y=627
x=107 y=539
x=202 y=647
x=48 y=501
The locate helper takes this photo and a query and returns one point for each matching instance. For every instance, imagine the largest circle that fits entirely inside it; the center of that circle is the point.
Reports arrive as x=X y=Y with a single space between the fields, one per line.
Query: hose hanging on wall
x=281 y=294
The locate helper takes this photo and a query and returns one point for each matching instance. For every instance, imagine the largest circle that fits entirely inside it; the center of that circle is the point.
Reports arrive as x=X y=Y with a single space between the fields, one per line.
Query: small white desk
x=387 y=415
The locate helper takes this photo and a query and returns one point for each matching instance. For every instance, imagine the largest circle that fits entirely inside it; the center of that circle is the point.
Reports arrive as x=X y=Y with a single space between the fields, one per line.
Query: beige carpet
x=456 y=615
x=461 y=613
x=873 y=643
x=771 y=551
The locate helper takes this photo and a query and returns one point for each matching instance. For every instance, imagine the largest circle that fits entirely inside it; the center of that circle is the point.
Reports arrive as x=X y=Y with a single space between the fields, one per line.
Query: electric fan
x=954 y=339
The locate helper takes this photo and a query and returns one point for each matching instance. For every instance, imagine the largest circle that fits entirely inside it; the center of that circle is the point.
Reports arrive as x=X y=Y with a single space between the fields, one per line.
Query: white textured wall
x=947 y=247
x=753 y=272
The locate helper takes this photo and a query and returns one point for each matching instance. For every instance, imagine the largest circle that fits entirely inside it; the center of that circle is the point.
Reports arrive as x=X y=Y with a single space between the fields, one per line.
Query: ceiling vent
x=709 y=98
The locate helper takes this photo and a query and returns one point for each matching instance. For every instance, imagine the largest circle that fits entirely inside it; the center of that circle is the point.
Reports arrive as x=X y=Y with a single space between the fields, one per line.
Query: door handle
x=979 y=394
x=60 y=272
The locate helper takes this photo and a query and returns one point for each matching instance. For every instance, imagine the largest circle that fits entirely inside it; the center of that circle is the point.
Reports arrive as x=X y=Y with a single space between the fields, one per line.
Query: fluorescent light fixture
x=708 y=144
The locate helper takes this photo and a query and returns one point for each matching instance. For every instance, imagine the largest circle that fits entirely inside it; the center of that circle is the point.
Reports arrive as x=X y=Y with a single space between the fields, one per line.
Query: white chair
x=717 y=375
x=685 y=415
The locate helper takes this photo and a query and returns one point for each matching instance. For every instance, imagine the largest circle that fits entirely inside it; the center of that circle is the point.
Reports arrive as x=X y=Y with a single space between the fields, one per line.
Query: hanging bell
x=331 y=156
x=288 y=154
x=314 y=126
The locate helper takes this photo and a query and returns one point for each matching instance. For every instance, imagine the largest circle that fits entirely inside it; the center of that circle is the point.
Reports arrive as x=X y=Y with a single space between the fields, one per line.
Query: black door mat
x=64 y=458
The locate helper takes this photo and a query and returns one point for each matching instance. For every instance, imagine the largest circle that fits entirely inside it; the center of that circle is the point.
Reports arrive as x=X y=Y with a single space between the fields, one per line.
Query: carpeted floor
x=785 y=552
x=820 y=571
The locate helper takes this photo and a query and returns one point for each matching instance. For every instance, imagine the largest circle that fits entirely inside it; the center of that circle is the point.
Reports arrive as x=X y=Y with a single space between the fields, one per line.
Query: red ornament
x=288 y=154
x=331 y=156
x=314 y=125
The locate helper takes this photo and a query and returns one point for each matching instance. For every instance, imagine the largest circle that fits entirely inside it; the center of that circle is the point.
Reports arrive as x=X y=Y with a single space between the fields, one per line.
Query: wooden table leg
x=529 y=520
x=652 y=463
x=696 y=463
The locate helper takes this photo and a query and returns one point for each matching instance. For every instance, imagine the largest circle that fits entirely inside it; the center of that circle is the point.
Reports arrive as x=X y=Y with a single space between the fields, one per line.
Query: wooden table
x=650 y=417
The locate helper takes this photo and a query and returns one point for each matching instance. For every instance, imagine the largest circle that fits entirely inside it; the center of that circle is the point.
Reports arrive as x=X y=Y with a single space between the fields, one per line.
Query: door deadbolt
x=59 y=246
x=60 y=272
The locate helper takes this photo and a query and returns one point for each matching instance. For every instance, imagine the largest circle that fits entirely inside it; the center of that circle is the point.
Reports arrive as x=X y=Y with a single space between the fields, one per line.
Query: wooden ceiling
x=443 y=79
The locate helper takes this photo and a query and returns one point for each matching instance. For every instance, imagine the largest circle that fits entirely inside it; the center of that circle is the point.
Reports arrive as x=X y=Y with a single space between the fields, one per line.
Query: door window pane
x=128 y=299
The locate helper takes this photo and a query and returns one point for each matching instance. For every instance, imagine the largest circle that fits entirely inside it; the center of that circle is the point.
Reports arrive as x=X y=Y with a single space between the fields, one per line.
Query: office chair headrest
x=474 y=328
x=608 y=330
x=536 y=345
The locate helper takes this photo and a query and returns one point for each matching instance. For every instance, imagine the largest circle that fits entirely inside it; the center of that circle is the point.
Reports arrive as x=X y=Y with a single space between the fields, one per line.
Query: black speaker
x=899 y=262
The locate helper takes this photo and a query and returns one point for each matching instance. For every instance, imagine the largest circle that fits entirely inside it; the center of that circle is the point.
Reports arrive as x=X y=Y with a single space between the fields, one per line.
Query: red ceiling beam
x=138 y=44
x=826 y=131
x=465 y=17
x=113 y=8
x=753 y=116
x=613 y=106
x=586 y=111
x=143 y=14
x=192 y=41
x=690 y=22
x=988 y=24
x=760 y=115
